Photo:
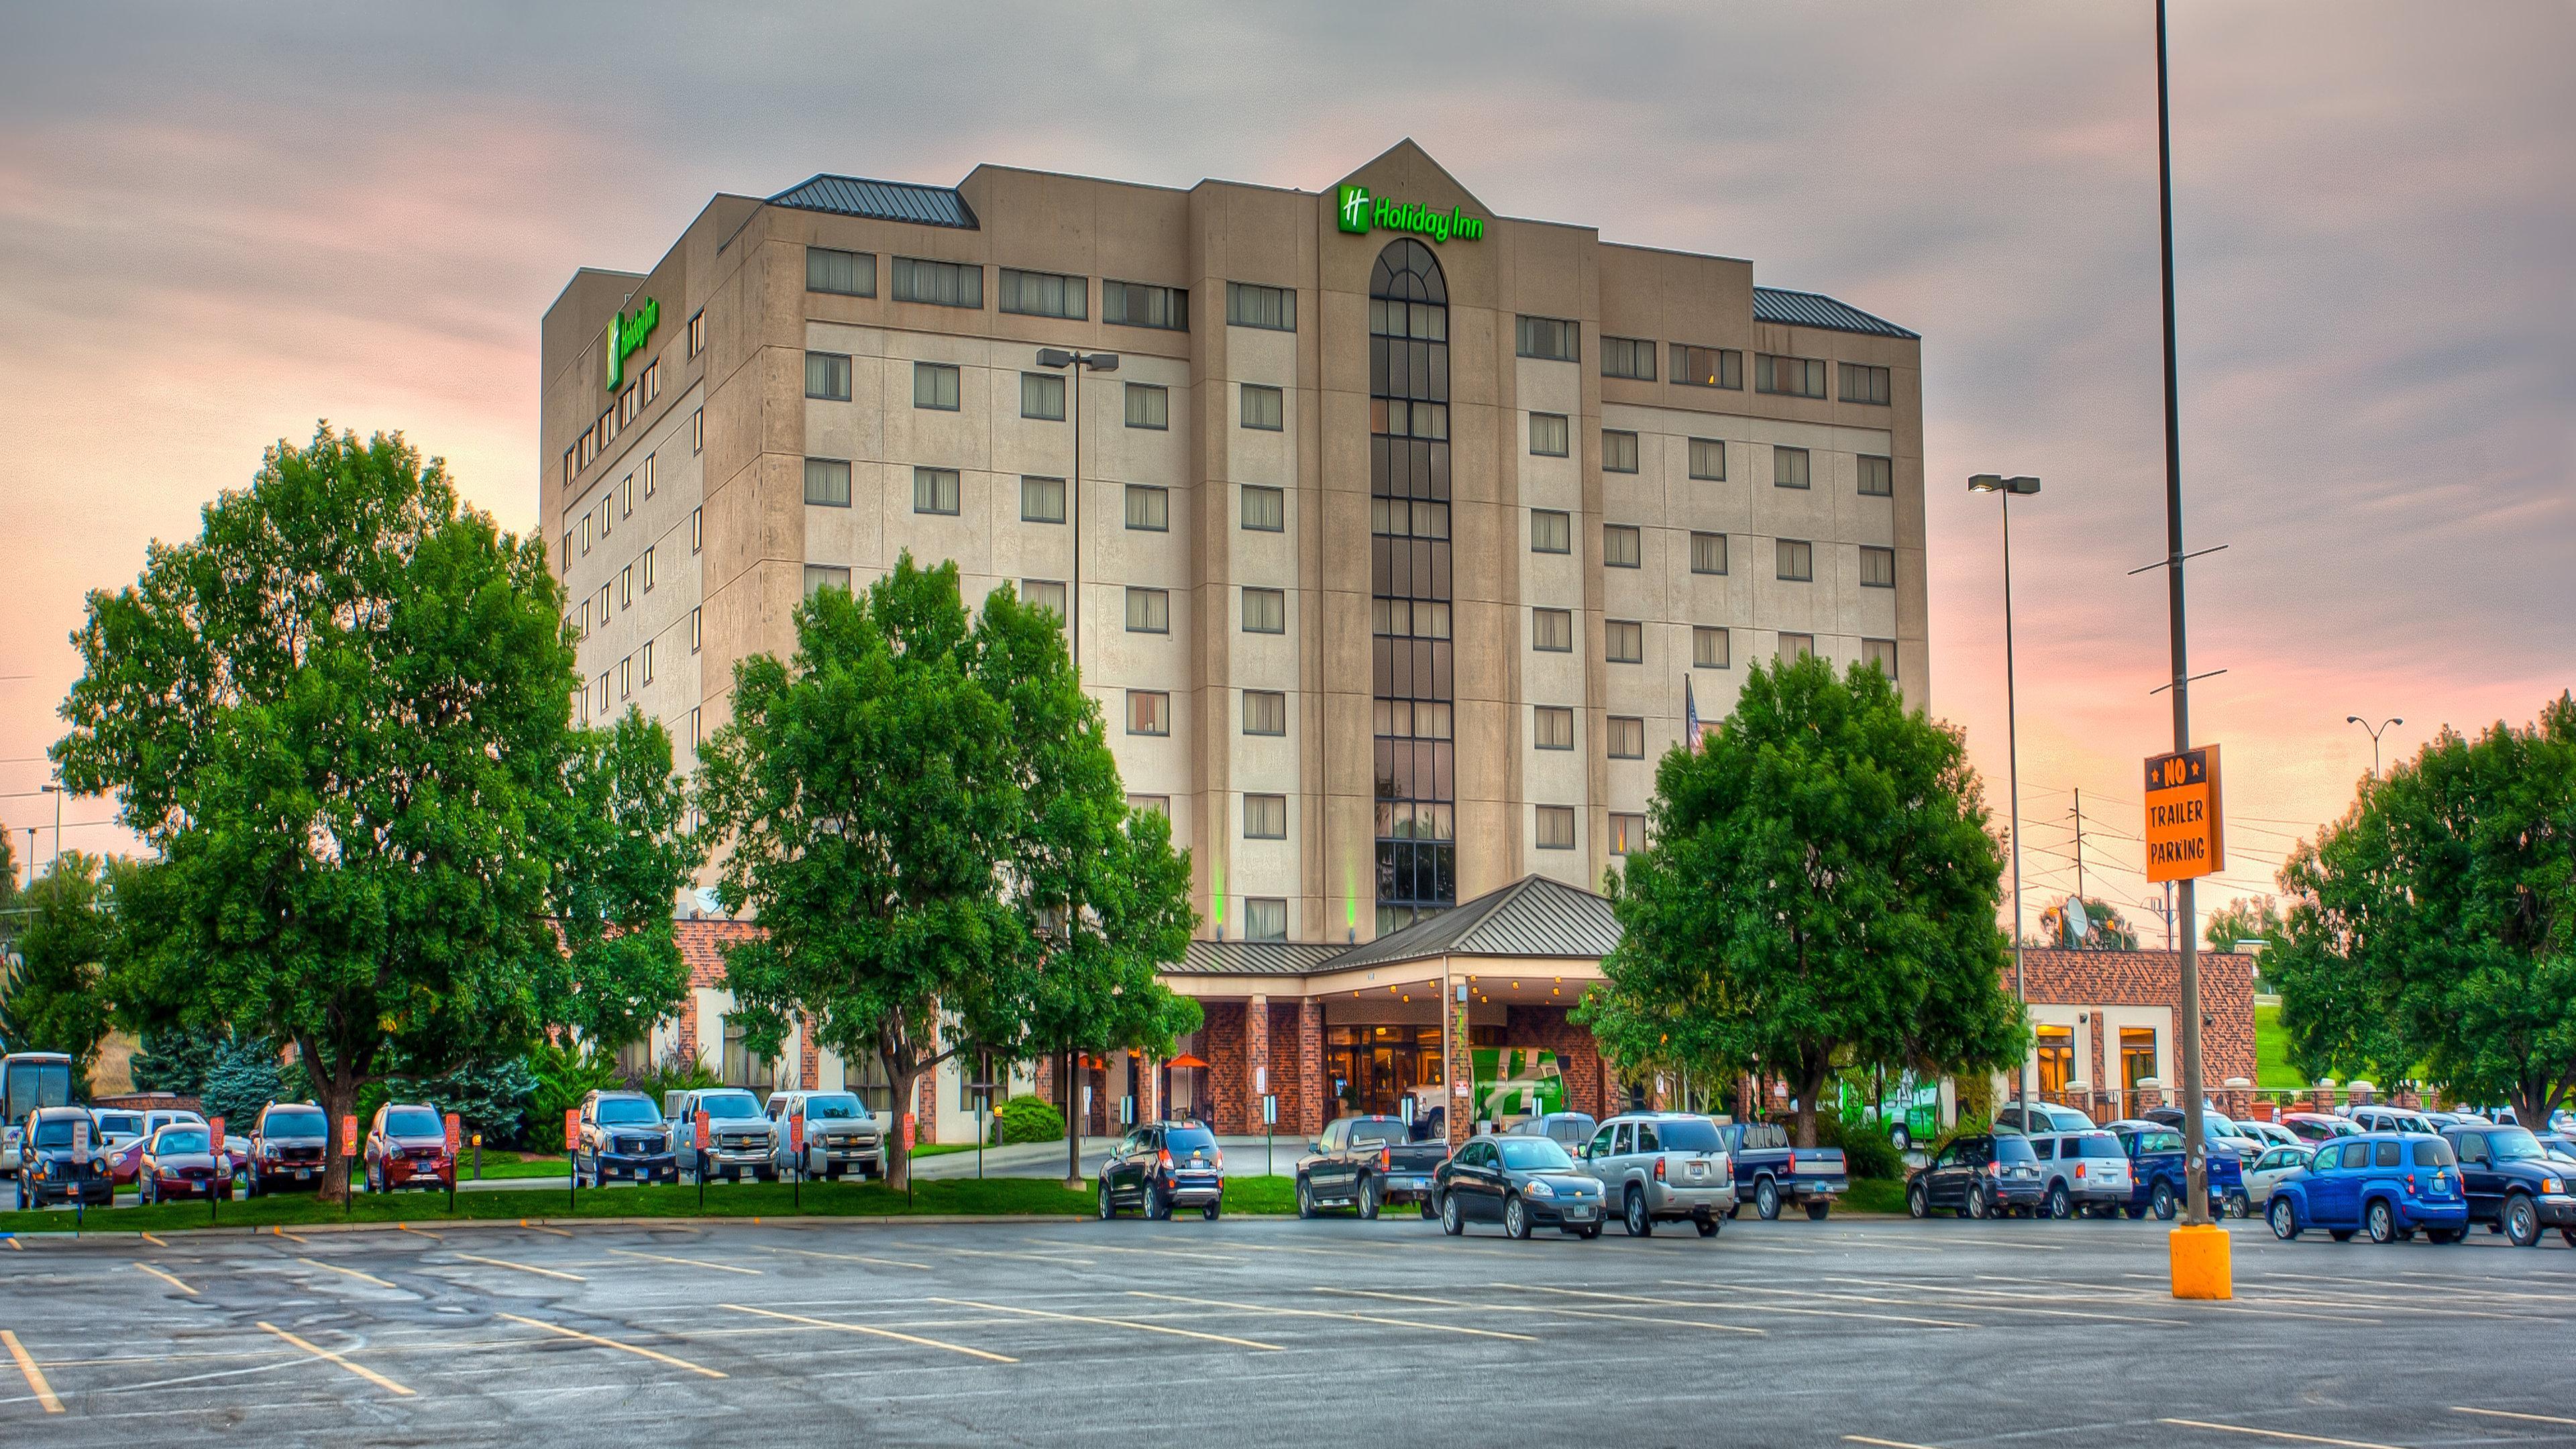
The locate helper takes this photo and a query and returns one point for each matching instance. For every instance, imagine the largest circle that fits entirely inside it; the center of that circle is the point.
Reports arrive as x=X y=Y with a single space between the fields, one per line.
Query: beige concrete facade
x=728 y=428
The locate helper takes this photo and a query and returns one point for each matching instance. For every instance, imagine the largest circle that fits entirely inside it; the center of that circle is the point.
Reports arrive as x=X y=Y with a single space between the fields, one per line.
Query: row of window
x=1019 y=291
x=1265 y=817
x=600 y=519
x=1634 y=358
x=1550 y=437
x=604 y=429
x=595 y=699
x=1623 y=547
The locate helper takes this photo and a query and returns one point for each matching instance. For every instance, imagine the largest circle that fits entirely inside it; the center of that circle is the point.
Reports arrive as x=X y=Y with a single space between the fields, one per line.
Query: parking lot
x=1334 y=1331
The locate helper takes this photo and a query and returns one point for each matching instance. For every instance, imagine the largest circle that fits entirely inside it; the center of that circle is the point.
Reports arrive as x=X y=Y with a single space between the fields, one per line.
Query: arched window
x=1409 y=525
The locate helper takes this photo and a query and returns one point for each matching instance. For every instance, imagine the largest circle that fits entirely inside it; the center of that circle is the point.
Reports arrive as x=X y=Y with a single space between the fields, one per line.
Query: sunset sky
x=220 y=223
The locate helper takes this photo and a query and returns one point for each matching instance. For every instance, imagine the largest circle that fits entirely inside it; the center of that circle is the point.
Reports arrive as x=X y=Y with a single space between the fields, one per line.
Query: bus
x=29 y=1080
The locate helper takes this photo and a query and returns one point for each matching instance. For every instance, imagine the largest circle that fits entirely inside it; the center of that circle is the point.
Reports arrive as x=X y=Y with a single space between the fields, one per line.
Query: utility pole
x=2079 y=855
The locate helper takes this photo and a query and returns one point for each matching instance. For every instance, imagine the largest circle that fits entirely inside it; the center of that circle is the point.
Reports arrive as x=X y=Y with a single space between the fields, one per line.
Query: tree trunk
x=907 y=1091
x=1811 y=1080
x=1066 y=1090
x=338 y=1090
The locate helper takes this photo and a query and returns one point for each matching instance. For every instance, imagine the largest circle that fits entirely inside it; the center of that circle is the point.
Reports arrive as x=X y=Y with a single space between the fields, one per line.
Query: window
x=1552 y=339
x=1265 y=712
x=626 y=677
x=1628 y=357
x=934 y=386
x=698 y=431
x=1552 y=630
x=1149 y=508
x=1137 y=304
x=2056 y=1055
x=1627 y=833
x=1264 y=509
x=648 y=661
x=1794 y=647
x=1265 y=611
x=1880 y=652
x=1708 y=553
x=1556 y=827
x=626 y=587
x=1788 y=467
x=1864 y=384
x=1149 y=712
x=648 y=473
x=1877 y=476
x=934 y=490
x=1548 y=435
x=1789 y=376
x=697 y=530
x=847 y=274
x=1150 y=805
x=1042 y=396
x=697 y=630
x=819 y=577
x=697 y=734
x=2137 y=1056
x=1041 y=500
x=1247 y=305
x=1797 y=560
x=1551 y=727
x=1149 y=611
x=607 y=516
x=1148 y=406
x=827 y=482
x=1618 y=451
x=601 y=704
x=942 y=284
x=1411 y=618
x=653 y=380
x=1264 y=920
x=585 y=535
x=1398 y=518
x=1711 y=648
x=1043 y=594
x=1265 y=817
x=1622 y=546
x=1627 y=737
x=827 y=376
x=603 y=604
x=1708 y=366
x=1262 y=407
x=1550 y=531
x=1877 y=567
x=1044 y=294
x=698 y=332
x=648 y=570
x=1400 y=418
x=1623 y=641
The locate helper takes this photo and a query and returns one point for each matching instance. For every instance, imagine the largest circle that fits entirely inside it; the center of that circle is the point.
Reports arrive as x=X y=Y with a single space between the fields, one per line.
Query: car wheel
x=1516 y=1222
x=1735 y=1209
x=2285 y=1219
x=1707 y=1225
x=1636 y=1219
x=2162 y=1202
x=1976 y=1206
x=2238 y=1205
x=1917 y=1203
x=2383 y=1222
x=1766 y=1200
x=2060 y=1204
x=1208 y=1214
x=1305 y=1199
x=1109 y=1208
x=1158 y=1208
x=1819 y=1210
x=1427 y=1211
x=1368 y=1199
x=2521 y=1221
x=1450 y=1221
x=1902 y=1138
x=2569 y=1234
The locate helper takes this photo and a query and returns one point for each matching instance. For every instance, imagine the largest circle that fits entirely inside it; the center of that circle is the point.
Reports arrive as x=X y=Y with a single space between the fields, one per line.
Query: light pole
x=57 y=792
x=1075 y=363
x=2007 y=487
x=2375 y=732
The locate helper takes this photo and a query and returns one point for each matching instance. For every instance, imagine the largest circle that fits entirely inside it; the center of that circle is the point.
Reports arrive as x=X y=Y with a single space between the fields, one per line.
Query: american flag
x=1690 y=717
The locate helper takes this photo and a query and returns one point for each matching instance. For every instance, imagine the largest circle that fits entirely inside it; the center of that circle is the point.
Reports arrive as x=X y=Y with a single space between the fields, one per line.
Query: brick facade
x=2090 y=980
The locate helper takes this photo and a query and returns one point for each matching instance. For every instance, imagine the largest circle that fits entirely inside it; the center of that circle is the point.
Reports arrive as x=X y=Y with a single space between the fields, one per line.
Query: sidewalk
x=1243 y=1158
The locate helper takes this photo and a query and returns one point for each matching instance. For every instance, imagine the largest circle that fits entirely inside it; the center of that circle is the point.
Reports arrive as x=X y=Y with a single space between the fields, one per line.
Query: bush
x=674 y=1073
x=565 y=1075
x=243 y=1078
x=1868 y=1152
x=1027 y=1119
x=491 y=1099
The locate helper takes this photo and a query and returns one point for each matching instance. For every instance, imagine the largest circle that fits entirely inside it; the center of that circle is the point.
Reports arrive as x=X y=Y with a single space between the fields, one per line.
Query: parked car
x=2270 y=1134
x=288 y=1147
x=2158 y=1176
x=1569 y=1130
x=2216 y=1128
x=740 y=1139
x=1770 y=1172
x=2511 y=1183
x=2043 y=1117
x=2319 y=1126
x=2373 y=1117
x=2391 y=1183
x=841 y=1139
x=1523 y=1183
x=622 y=1139
x=2275 y=1166
x=118 y=1128
x=1662 y=1167
x=2561 y=1145
x=128 y=1157
x=2082 y=1173
x=1367 y=1162
x=48 y=1170
x=1162 y=1166
x=407 y=1147
x=1986 y=1174
x=179 y=1161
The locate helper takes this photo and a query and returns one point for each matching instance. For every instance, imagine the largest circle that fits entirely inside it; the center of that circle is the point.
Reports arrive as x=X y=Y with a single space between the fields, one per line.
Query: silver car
x=738 y=1141
x=2277 y=1165
x=1662 y=1167
x=2084 y=1171
x=841 y=1139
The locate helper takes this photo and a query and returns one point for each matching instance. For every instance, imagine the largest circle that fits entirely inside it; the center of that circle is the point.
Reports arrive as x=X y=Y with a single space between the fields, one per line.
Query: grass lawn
x=1873 y=1195
x=2272 y=1069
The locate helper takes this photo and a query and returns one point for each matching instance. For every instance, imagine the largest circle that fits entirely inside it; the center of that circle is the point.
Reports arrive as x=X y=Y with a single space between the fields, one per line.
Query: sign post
x=80 y=1164
x=348 y=1153
x=907 y=1159
x=1269 y=1129
x=698 y=1149
x=983 y=1113
x=796 y=1144
x=572 y=1155
x=2186 y=839
x=223 y=1167
x=455 y=1134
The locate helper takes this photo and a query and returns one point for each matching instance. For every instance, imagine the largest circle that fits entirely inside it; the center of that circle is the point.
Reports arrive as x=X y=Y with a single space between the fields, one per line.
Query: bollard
x=2200 y=1262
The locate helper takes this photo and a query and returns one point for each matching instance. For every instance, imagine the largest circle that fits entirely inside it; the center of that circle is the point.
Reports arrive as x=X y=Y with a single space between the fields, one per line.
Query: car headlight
x=1539 y=1188
x=2552 y=1184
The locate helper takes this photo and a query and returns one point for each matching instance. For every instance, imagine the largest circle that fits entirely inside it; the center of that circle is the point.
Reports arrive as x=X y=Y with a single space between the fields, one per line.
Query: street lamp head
x=1986 y=483
x=2397 y=721
x=50 y=789
x=2021 y=485
x=2352 y=719
x=1100 y=361
x=1054 y=357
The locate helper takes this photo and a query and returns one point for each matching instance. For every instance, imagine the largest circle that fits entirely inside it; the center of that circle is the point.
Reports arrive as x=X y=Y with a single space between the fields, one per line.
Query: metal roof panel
x=880 y=200
x=1815 y=309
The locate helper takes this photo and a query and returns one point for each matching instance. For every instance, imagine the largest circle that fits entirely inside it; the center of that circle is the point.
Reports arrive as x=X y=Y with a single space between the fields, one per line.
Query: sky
x=221 y=223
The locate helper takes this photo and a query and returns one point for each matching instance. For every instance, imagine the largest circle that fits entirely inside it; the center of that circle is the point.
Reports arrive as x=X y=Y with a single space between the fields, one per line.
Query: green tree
x=8 y=890
x=56 y=998
x=2432 y=931
x=621 y=853
x=1821 y=890
x=2247 y=918
x=341 y=713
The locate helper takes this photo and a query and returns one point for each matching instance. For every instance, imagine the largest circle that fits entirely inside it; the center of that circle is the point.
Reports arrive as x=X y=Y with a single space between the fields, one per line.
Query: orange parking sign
x=2185 y=834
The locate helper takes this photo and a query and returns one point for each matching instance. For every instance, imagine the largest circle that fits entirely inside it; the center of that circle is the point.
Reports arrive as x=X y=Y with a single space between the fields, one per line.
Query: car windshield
x=56 y=1133
x=1688 y=1134
x=126 y=1122
x=1182 y=1141
x=2436 y=1153
x=2014 y=1149
x=2514 y=1145
x=413 y=1122
x=728 y=1104
x=624 y=1112
x=833 y=1106
x=2159 y=1142
x=294 y=1122
x=1375 y=1134
x=2090 y=1145
x=180 y=1139
x=1532 y=1154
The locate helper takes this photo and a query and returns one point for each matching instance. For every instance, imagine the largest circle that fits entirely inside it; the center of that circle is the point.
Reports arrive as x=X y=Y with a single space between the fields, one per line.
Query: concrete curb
x=125 y=1237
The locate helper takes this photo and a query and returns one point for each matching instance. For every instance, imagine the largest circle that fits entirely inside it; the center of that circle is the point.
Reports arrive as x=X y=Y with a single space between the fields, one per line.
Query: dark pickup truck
x=2157 y=1176
x=1365 y=1163
x=1769 y=1172
x=2512 y=1183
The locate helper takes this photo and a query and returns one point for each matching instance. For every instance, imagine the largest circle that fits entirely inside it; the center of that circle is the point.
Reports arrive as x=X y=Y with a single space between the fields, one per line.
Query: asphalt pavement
x=1849 y=1331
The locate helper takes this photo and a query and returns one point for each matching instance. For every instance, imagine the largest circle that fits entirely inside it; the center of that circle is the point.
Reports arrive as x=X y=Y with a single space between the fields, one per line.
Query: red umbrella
x=1185 y=1060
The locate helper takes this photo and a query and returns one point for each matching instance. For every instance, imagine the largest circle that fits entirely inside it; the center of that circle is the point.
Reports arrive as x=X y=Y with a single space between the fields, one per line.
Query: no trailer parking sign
x=2184 y=838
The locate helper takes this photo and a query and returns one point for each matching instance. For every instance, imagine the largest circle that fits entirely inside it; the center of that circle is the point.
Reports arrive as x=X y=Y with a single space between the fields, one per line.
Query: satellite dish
x=2079 y=926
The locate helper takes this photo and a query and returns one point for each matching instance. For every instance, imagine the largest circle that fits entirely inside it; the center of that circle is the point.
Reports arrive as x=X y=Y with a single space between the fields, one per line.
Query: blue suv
x=2389 y=1183
x=2513 y=1185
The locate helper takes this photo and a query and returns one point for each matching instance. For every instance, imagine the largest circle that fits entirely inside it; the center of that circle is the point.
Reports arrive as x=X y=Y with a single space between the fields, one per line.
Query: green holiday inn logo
x=626 y=336
x=1359 y=212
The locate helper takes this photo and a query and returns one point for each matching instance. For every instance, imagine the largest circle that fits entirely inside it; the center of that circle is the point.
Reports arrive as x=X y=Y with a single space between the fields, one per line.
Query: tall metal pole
x=2195 y=1145
x=1073 y=503
x=2012 y=744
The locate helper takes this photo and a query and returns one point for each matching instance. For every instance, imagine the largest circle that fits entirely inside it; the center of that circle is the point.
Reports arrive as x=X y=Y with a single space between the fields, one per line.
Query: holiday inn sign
x=1361 y=211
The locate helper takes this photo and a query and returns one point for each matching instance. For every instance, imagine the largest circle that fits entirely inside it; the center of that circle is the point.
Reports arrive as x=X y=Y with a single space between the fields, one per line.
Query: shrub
x=1868 y=1152
x=491 y=1099
x=565 y=1075
x=242 y=1078
x=674 y=1073
x=1027 y=1119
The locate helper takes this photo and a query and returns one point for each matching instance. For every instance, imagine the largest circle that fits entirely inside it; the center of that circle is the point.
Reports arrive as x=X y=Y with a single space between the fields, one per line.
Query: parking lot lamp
x=2375 y=732
x=1075 y=363
x=1998 y=484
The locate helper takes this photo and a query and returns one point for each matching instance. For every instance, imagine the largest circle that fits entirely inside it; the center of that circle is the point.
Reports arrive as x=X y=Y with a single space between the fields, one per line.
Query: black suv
x=49 y=1171
x=623 y=1139
x=2513 y=1185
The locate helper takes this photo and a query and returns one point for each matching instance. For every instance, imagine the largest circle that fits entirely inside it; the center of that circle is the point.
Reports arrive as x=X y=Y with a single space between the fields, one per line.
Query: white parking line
x=1796 y=1311
x=876 y=1332
x=327 y=1356
x=166 y=1278
x=1058 y=1259
x=1882 y=1443
x=2509 y=1414
x=35 y=1375
x=336 y=1268
x=2277 y=1434
x=687 y=1262
x=1988 y=1307
x=1347 y=1317
x=853 y=1258
x=1110 y=1323
x=1562 y=1312
x=524 y=1268
x=594 y=1338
